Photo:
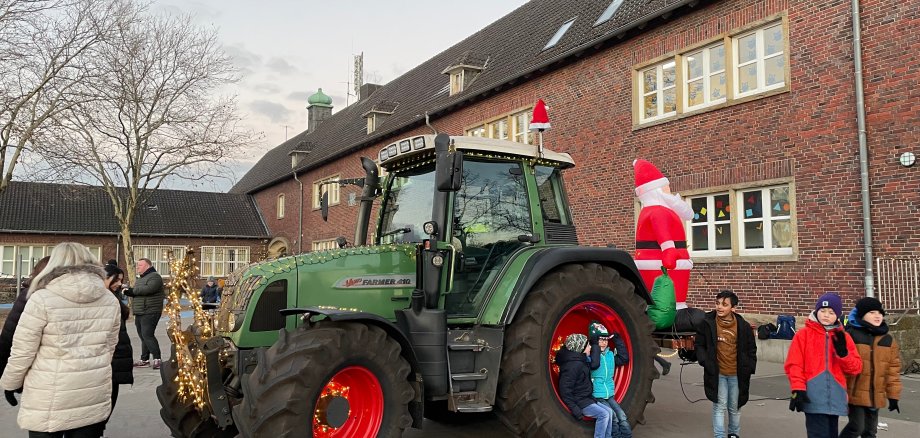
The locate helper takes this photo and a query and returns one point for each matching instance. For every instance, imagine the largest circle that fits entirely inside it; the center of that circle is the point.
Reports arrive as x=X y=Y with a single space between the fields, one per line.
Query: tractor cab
x=509 y=199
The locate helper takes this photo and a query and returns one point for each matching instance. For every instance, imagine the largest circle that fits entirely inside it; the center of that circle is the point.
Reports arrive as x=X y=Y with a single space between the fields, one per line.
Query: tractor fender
x=548 y=259
x=416 y=407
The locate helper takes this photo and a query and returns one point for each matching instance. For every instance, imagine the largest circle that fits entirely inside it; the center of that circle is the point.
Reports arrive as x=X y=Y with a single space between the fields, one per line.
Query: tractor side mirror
x=449 y=172
x=324 y=206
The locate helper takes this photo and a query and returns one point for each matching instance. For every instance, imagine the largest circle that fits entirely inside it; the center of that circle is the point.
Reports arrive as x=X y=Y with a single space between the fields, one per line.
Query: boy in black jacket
x=575 y=385
x=726 y=350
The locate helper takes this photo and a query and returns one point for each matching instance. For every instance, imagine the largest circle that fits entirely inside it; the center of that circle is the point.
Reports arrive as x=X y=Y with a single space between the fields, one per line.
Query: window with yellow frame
x=513 y=126
x=745 y=64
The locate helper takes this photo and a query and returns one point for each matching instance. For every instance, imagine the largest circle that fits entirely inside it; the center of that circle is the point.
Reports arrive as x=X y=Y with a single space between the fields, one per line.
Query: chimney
x=367 y=89
x=319 y=108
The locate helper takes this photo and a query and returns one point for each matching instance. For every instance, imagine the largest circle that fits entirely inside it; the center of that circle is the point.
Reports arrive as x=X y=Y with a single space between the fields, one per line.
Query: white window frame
x=325 y=244
x=479 y=131
x=516 y=127
x=279 y=206
x=221 y=261
x=711 y=222
x=371 y=122
x=333 y=190
x=608 y=13
x=159 y=260
x=659 y=90
x=520 y=127
x=30 y=256
x=706 y=53
x=456 y=81
x=767 y=218
x=759 y=59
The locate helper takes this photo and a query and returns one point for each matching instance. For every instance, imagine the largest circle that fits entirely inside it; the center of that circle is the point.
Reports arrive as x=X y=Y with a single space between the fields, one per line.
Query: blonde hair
x=65 y=254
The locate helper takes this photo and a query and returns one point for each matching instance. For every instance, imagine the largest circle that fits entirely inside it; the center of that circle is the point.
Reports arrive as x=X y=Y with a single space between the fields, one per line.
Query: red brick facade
x=806 y=134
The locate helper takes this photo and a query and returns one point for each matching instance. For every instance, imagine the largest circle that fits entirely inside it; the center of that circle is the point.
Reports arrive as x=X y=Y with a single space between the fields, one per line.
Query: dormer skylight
x=464 y=70
x=559 y=33
x=608 y=13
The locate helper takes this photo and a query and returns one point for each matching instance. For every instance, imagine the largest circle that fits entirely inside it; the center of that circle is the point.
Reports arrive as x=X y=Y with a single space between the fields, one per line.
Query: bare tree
x=43 y=64
x=153 y=117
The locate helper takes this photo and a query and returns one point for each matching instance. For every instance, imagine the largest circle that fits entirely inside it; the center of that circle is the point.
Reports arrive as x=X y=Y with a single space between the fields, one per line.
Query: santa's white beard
x=672 y=201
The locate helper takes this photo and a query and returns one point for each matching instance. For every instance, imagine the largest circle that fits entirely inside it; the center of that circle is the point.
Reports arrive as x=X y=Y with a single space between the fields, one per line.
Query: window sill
x=746 y=259
x=318 y=208
x=706 y=109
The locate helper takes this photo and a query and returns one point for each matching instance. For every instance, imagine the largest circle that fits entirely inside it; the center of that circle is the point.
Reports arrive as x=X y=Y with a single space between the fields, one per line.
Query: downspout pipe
x=863 y=150
x=300 y=216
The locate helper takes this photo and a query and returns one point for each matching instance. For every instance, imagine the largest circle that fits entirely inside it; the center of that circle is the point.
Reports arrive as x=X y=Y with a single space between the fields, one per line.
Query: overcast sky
x=287 y=49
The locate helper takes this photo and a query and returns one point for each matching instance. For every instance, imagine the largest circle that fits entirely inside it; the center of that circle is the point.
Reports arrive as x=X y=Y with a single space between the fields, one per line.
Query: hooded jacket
x=148 y=293
x=574 y=380
x=602 y=375
x=707 y=355
x=62 y=351
x=813 y=366
x=880 y=378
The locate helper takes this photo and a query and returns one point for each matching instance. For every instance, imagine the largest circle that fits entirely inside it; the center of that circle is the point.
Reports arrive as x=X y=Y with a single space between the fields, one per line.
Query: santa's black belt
x=651 y=244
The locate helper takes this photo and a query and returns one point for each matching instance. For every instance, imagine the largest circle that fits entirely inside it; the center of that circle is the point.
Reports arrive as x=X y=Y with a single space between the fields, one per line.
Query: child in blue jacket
x=603 y=367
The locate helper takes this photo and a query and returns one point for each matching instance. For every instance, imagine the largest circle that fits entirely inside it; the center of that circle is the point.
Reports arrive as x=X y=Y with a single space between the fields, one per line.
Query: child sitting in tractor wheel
x=604 y=361
x=575 y=384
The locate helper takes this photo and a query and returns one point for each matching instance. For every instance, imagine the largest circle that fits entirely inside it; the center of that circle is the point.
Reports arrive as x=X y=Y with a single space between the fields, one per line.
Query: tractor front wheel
x=335 y=380
x=183 y=420
x=565 y=301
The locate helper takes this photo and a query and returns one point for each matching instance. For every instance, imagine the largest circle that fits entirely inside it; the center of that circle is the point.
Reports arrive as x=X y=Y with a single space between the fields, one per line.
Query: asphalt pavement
x=671 y=416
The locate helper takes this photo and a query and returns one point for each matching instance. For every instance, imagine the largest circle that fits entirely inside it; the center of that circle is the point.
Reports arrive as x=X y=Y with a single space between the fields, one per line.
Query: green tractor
x=472 y=280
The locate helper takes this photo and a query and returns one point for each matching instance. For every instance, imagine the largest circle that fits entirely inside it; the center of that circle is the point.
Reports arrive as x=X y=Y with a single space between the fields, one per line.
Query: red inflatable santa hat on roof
x=540 y=120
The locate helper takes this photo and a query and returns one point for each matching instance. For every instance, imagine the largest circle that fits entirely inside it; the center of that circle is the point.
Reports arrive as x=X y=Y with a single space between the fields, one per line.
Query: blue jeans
x=604 y=416
x=620 y=427
x=728 y=398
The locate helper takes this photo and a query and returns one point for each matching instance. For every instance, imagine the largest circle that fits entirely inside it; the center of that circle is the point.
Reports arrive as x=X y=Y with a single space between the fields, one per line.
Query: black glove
x=893 y=405
x=840 y=344
x=798 y=400
x=11 y=398
x=129 y=291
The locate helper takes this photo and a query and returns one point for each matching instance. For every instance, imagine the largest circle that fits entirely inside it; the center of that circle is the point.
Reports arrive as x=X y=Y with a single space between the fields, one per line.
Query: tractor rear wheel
x=334 y=380
x=565 y=301
x=183 y=420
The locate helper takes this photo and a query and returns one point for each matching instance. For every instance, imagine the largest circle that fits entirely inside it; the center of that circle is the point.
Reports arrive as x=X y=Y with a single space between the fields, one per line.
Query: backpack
x=785 y=327
x=766 y=330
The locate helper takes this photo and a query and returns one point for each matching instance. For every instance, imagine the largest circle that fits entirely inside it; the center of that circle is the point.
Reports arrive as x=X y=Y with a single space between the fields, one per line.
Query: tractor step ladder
x=473 y=369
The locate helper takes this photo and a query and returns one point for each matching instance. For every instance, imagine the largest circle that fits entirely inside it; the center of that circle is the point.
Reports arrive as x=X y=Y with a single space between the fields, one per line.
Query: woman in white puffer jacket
x=62 y=349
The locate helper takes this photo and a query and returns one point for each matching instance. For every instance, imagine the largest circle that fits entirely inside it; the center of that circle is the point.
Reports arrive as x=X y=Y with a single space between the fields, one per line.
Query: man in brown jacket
x=880 y=380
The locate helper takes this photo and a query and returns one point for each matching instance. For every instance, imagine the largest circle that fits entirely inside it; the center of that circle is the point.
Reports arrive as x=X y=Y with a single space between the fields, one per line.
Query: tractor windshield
x=407 y=205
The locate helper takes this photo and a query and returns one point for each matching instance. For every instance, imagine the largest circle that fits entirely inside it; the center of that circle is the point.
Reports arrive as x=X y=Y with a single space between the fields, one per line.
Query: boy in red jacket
x=818 y=359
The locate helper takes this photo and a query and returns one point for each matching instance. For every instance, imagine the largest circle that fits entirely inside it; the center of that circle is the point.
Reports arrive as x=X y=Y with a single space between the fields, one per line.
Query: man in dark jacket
x=726 y=350
x=210 y=293
x=148 y=308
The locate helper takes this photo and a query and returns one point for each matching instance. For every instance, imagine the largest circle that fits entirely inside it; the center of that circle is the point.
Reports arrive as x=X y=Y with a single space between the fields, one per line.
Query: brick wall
x=808 y=133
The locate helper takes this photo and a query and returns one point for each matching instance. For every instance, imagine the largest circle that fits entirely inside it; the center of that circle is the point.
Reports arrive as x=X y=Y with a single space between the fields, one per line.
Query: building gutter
x=863 y=151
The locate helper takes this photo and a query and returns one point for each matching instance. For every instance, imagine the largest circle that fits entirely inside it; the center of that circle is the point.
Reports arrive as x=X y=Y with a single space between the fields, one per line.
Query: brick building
x=225 y=230
x=748 y=106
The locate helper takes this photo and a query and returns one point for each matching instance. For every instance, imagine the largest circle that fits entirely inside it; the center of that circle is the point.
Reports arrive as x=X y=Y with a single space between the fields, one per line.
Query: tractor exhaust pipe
x=371 y=188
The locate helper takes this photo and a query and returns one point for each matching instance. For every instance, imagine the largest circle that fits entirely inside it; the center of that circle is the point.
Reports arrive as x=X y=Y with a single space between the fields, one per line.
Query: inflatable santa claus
x=660 y=237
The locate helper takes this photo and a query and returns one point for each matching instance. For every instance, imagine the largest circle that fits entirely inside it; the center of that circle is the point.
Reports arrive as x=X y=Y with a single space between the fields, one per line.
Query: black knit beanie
x=867 y=305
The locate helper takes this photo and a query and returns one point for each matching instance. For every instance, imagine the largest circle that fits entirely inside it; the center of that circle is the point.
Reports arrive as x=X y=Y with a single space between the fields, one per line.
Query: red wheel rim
x=360 y=387
x=576 y=320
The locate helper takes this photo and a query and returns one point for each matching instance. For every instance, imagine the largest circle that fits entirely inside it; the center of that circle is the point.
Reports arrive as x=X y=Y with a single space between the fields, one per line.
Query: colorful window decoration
x=763 y=224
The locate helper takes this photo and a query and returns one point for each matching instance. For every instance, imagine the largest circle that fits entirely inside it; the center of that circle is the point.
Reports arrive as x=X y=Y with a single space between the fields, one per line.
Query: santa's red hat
x=540 y=120
x=648 y=177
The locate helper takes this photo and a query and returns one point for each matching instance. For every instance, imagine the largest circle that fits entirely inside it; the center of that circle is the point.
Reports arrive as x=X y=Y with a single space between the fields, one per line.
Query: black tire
x=527 y=403
x=183 y=420
x=280 y=395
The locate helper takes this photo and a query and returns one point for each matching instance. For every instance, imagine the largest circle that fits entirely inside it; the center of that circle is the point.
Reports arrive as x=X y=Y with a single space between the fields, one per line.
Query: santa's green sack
x=664 y=307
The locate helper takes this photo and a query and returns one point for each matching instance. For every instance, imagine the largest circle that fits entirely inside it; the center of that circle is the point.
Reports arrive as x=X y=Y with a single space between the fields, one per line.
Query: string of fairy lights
x=191 y=376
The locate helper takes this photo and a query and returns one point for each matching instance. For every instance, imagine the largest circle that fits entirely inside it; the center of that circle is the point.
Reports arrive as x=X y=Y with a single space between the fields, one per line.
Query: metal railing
x=898 y=284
